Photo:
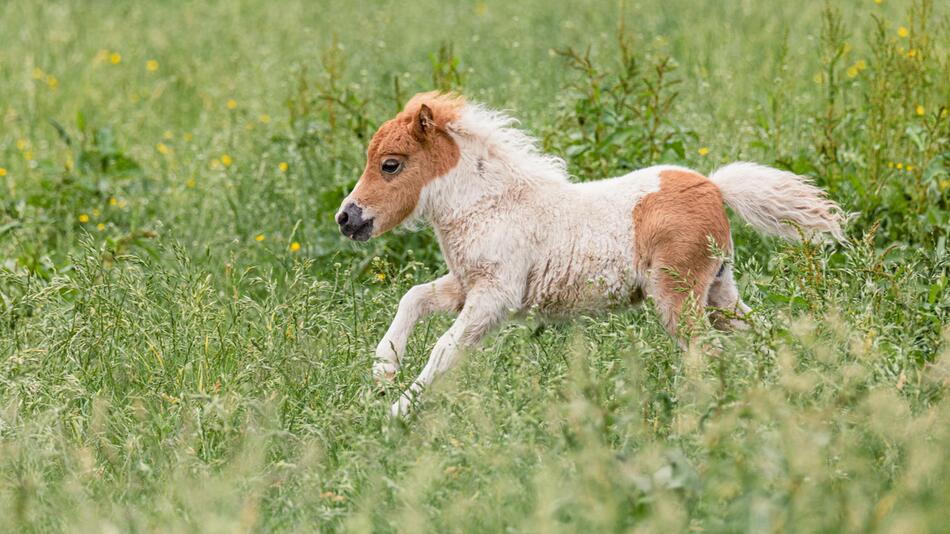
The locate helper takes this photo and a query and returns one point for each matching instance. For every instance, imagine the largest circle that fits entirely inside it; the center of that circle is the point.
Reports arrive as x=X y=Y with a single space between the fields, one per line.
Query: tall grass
x=185 y=338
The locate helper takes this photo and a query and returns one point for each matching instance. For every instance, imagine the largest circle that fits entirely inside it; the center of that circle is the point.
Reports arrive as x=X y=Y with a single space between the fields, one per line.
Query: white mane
x=519 y=151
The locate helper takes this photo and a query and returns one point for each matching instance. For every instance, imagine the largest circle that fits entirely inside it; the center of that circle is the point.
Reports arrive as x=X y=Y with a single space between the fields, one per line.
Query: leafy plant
x=619 y=120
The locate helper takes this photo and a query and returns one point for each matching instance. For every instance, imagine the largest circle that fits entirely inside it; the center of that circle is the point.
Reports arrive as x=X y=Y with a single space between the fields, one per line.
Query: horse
x=519 y=236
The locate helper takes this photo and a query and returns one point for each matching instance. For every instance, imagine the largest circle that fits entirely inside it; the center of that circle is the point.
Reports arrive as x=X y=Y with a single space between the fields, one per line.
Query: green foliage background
x=185 y=338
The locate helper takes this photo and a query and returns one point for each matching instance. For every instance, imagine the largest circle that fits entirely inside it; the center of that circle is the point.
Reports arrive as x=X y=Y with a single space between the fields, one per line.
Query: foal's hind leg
x=677 y=231
x=724 y=296
x=679 y=295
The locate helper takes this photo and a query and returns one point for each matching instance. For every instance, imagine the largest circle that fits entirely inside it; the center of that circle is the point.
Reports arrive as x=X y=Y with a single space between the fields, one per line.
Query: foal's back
x=604 y=241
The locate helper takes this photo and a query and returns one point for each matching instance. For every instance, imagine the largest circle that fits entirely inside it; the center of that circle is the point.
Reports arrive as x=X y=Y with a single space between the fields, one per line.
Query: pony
x=518 y=235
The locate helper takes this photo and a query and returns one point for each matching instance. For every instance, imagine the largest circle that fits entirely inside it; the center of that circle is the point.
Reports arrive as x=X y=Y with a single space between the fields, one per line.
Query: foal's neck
x=472 y=192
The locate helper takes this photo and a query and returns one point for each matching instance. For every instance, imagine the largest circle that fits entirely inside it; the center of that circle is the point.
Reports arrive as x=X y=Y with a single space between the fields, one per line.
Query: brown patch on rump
x=672 y=229
x=418 y=138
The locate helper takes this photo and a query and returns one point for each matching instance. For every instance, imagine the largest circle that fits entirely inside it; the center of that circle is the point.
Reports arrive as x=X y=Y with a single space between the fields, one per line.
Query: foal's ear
x=424 y=124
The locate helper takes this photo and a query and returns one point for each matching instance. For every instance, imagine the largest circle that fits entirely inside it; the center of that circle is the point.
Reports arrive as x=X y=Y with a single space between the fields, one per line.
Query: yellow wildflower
x=900 y=166
x=910 y=168
x=819 y=78
x=878 y=2
x=115 y=58
x=101 y=226
x=259 y=238
x=890 y=164
x=163 y=148
x=283 y=166
x=703 y=151
x=912 y=52
x=226 y=160
x=151 y=65
x=852 y=71
x=190 y=183
x=28 y=155
x=944 y=185
x=52 y=82
x=232 y=103
x=295 y=247
x=3 y=172
x=381 y=276
x=264 y=118
x=902 y=31
x=919 y=109
x=83 y=218
x=22 y=144
x=37 y=73
x=113 y=201
x=861 y=64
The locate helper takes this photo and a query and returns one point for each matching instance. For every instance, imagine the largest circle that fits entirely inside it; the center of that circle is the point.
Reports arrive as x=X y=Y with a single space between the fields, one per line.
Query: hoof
x=400 y=408
x=384 y=373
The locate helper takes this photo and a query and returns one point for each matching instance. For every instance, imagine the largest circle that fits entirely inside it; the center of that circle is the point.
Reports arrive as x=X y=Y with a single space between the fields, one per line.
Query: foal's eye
x=391 y=166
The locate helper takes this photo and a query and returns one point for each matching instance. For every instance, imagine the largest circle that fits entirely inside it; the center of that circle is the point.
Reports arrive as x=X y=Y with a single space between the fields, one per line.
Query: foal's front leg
x=481 y=312
x=443 y=294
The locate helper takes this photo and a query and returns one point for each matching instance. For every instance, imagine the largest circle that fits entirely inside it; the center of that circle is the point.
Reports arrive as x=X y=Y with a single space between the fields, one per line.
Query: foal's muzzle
x=352 y=223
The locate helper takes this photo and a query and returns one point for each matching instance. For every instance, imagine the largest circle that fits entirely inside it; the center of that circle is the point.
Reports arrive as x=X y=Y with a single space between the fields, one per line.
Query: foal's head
x=406 y=153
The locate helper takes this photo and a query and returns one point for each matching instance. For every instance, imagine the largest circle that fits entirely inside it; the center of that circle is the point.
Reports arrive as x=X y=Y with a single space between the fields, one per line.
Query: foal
x=517 y=235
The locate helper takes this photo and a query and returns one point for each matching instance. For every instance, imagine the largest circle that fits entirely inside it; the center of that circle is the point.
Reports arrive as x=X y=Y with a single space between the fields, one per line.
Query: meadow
x=186 y=338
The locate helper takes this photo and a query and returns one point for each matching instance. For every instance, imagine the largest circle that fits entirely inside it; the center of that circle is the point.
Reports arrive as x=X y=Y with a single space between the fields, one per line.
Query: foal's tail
x=777 y=202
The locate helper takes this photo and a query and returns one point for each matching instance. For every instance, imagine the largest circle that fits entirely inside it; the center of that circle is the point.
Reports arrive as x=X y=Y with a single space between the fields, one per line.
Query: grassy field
x=186 y=339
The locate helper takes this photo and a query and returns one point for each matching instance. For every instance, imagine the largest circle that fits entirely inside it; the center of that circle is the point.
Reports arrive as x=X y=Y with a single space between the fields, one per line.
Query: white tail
x=778 y=202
